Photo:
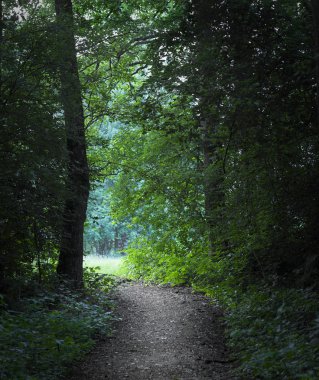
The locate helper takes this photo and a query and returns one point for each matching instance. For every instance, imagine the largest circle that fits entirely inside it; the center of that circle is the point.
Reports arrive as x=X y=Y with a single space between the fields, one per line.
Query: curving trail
x=164 y=334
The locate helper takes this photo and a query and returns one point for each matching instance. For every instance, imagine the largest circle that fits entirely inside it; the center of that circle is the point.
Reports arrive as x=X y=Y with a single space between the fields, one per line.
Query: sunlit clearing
x=107 y=265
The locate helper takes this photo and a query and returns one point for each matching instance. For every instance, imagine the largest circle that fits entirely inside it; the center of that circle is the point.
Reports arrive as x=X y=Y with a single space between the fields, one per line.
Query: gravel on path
x=163 y=333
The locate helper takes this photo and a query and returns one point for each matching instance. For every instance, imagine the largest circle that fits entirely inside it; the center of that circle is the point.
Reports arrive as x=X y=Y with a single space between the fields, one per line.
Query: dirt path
x=165 y=334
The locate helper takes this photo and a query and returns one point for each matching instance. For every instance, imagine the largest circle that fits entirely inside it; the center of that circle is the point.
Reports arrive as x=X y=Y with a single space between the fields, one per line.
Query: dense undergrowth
x=275 y=332
x=42 y=333
x=272 y=330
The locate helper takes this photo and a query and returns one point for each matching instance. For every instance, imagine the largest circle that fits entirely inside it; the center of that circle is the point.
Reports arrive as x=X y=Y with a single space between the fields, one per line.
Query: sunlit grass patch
x=107 y=265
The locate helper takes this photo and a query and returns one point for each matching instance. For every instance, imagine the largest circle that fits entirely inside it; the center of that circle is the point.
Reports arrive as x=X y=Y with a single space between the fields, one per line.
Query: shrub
x=46 y=332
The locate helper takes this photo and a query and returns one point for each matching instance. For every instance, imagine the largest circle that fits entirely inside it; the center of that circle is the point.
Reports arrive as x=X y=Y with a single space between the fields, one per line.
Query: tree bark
x=315 y=15
x=70 y=263
x=209 y=185
x=203 y=15
x=1 y=38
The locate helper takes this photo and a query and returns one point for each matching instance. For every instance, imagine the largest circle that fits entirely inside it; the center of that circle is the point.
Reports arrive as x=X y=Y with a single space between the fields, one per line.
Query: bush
x=272 y=331
x=48 y=331
x=164 y=262
x=275 y=333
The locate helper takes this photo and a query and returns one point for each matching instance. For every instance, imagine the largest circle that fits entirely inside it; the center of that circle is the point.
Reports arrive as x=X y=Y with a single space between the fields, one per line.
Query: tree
x=315 y=16
x=71 y=254
x=31 y=144
x=256 y=143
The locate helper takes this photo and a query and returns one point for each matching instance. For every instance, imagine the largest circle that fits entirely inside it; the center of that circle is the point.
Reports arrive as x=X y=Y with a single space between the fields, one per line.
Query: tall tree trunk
x=209 y=186
x=71 y=254
x=311 y=264
x=315 y=15
x=1 y=38
x=1 y=21
x=203 y=16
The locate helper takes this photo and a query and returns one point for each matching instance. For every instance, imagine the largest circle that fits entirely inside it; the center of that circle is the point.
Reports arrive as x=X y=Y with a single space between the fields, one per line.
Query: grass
x=107 y=265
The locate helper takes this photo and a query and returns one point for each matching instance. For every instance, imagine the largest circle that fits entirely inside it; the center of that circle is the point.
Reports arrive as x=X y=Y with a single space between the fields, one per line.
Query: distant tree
x=103 y=235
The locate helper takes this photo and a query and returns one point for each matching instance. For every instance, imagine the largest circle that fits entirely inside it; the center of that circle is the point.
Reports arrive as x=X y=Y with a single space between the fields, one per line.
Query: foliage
x=214 y=161
x=32 y=141
x=275 y=334
x=46 y=332
x=211 y=140
x=158 y=262
x=103 y=236
x=272 y=332
x=218 y=164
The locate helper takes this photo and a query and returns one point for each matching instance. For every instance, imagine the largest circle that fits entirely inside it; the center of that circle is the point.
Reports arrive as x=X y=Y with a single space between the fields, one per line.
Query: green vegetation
x=41 y=335
x=276 y=332
x=272 y=330
x=103 y=236
x=198 y=125
x=111 y=265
